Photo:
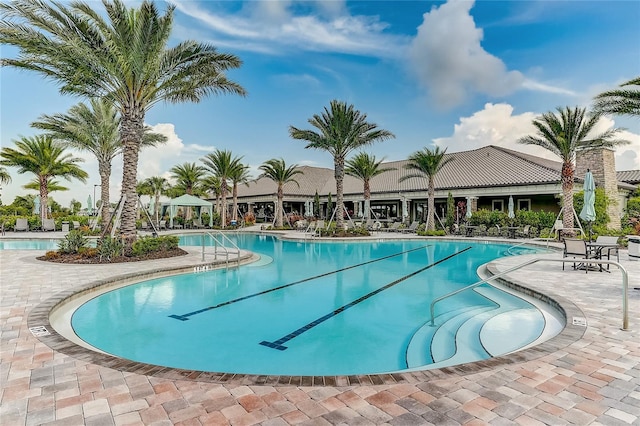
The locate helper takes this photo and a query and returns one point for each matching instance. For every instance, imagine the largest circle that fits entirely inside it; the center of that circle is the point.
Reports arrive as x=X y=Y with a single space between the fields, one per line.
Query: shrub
x=88 y=252
x=109 y=247
x=436 y=233
x=249 y=218
x=73 y=242
x=146 y=245
x=52 y=254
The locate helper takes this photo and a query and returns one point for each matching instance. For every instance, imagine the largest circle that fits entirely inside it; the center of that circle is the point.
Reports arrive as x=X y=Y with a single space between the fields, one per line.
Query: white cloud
x=154 y=161
x=497 y=125
x=449 y=61
x=277 y=26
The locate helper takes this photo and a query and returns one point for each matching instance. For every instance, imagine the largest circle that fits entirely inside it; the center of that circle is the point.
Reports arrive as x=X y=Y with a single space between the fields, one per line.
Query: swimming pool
x=316 y=308
x=33 y=244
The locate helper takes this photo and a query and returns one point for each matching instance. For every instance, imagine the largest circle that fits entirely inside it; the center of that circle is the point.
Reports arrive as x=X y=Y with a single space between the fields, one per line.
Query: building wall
x=602 y=164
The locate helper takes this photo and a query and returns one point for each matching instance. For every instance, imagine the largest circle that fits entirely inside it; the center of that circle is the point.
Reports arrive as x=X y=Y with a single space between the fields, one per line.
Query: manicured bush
x=73 y=242
x=146 y=245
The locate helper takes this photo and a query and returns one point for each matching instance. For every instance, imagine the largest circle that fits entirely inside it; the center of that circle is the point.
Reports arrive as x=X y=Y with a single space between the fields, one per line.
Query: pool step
x=419 y=350
x=473 y=333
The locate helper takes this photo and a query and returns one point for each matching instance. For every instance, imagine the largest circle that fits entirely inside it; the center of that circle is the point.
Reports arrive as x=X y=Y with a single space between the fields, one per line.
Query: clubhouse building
x=482 y=178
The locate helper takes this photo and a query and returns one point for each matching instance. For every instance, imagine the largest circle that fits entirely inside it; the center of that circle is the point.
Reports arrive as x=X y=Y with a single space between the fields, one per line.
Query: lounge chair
x=48 y=225
x=412 y=228
x=394 y=227
x=196 y=223
x=144 y=225
x=577 y=249
x=22 y=224
x=162 y=225
x=76 y=224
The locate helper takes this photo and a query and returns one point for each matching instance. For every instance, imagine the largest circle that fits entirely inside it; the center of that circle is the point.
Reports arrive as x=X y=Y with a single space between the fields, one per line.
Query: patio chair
x=22 y=224
x=197 y=223
x=412 y=228
x=525 y=232
x=76 y=225
x=48 y=225
x=577 y=249
x=162 y=225
x=144 y=225
x=558 y=228
x=609 y=251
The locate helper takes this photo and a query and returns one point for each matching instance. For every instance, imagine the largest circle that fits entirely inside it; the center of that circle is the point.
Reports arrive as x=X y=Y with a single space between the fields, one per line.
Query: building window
x=497 y=205
x=524 y=204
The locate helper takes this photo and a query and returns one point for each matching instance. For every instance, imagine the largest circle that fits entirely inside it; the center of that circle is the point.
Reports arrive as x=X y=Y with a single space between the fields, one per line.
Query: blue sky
x=456 y=74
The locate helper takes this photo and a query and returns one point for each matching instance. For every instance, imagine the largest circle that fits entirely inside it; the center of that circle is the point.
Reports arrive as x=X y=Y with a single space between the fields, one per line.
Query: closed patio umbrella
x=89 y=205
x=588 y=212
x=511 y=213
x=36 y=205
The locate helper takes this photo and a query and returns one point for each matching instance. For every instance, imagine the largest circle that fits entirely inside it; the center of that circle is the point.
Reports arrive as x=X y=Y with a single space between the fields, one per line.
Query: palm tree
x=188 y=177
x=365 y=167
x=276 y=170
x=154 y=186
x=427 y=163
x=121 y=55
x=564 y=134
x=342 y=129
x=211 y=185
x=221 y=164
x=625 y=101
x=94 y=128
x=5 y=177
x=240 y=174
x=44 y=158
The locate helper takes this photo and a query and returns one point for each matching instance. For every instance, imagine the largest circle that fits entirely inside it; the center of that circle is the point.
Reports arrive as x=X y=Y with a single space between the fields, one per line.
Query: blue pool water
x=35 y=244
x=310 y=308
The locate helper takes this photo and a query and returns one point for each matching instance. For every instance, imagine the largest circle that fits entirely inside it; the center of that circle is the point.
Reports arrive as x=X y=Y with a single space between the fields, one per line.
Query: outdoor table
x=511 y=231
x=597 y=248
x=470 y=230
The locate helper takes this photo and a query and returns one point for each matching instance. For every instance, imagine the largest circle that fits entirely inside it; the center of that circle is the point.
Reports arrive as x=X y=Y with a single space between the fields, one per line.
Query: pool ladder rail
x=625 y=286
x=220 y=248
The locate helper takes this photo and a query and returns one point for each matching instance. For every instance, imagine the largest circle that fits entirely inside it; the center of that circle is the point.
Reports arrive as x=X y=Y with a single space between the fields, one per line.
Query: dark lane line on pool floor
x=278 y=343
x=185 y=317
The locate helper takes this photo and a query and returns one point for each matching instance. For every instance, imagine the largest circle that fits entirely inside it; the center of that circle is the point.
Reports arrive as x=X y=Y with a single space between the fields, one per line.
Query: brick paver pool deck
x=589 y=375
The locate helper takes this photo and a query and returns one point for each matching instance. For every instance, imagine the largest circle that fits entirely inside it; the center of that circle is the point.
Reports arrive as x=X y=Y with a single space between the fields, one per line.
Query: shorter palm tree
x=239 y=174
x=277 y=170
x=623 y=101
x=365 y=167
x=188 y=177
x=154 y=186
x=5 y=177
x=221 y=164
x=565 y=134
x=427 y=163
x=44 y=158
x=94 y=128
x=341 y=129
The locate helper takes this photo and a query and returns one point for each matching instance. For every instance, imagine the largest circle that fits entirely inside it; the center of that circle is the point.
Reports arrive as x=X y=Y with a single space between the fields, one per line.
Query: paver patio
x=592 y=380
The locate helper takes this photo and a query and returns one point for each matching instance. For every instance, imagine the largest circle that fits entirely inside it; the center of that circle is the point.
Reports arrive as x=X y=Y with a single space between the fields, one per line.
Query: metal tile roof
x=489 y=166
x=629 y=176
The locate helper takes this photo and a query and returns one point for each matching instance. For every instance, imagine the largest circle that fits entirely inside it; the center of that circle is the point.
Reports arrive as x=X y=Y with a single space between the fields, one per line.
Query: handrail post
x=625 y=286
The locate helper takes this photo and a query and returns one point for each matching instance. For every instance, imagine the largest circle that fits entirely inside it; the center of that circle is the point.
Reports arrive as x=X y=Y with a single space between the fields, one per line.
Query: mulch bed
x=79 y=259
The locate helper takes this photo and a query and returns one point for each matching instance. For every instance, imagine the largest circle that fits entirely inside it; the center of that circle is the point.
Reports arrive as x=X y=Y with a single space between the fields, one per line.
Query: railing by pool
x=625 y=285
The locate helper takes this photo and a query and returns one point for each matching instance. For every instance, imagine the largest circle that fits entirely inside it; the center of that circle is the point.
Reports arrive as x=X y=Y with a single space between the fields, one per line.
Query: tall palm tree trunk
x=280 y=208
x=431 y=205
x=234 y=214
x=367 y=197
x=44 y=198
x=131 y=132
x=567 y=194
x=223 y=210
x=104 y=169
x=339 y=175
